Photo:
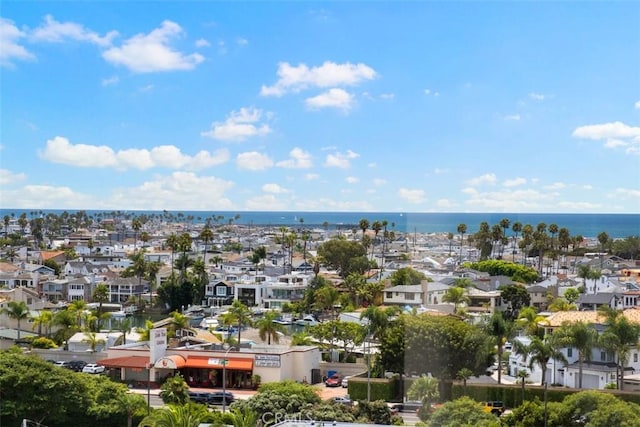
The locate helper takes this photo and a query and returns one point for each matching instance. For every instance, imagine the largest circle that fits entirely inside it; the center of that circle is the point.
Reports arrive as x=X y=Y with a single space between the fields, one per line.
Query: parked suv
x=495 y=407
x=61 y=364
x=218 y=398
x=77 y=365
x=93 y=368
x=199 y=397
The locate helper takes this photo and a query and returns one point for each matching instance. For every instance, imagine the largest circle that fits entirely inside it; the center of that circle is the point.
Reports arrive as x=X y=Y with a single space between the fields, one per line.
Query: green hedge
x=381 y=388
x=511 y=395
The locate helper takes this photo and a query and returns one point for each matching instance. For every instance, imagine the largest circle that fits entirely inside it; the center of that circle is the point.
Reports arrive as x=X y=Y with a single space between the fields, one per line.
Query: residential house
x=406 y=295
x=121 y=289
x=80 y=288
x=219 y=293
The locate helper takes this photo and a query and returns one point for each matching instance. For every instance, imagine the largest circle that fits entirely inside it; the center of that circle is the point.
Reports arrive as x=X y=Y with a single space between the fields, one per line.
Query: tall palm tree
x=145 y=332
x=364 y=225
x=242 y=316
x=206 y=235
x=620 y=336
x=529 y=321
x=172 y=242
x=101 y=296
x=326 y=298
x=581 y=336
x=136 y=225
x=539 y=352
x=268 y=329
x=125 y=327
x=500 y=330
x=17 y=310
x=462 y=230
x=516 y=228
x=43 y=320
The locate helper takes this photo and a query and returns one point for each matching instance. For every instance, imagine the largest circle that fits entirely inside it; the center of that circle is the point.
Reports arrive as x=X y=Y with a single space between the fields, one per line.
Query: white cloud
x=265 y=202
x=253 y=161
x=298 y=159
x=427 y=91
x=333 y=98
x=615 y=143
x=441 y=171
x=274 y=188
x=33 y=196
x=202 y=43
x=239 y=126
x=514 y=182
x=148 y=53
x=512 y=117
x=60 y=150
x=387 y=96
x=352 y=180
x=637 y=105
x=240 y=41
x=340 y=160
x=555 y=186
x=145 y=89
x=329 y=74
x=412 y=196
x=311 y=176
x=53 y=31
x=537 y=96
x=488 y=178
x=10 y=49
x=615 y=135
x=587 y=187
x=110 y=81
x=607 y=130
x=626 y=193
x=174 y=191
x=7 y=177
x=379 y=181
x=509 y=201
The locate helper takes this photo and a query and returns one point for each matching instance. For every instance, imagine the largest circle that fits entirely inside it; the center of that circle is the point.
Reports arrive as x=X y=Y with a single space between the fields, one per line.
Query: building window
x=389 y=294
x=570 y=352
x=635 y=357
x=603 y=356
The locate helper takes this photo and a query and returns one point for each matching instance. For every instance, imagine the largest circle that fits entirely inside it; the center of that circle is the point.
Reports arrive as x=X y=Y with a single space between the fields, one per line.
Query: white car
x=93 y=368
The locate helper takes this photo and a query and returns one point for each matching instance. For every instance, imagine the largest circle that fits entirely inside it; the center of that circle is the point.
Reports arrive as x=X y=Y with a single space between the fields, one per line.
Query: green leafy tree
x=344 y=256
x=456 y=296
x=92 y=339
x=500 y=330
x=242 y=316
x=406 y=276
x=444 y=345
x=517 y=297
x=174 y=391
x=462 y=412
x=594 y=408
x=101 y=296
x=133 y=404
x=176 y=415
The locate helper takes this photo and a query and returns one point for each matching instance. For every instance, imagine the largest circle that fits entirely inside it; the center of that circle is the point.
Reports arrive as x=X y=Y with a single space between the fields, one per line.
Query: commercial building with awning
x=232 y=363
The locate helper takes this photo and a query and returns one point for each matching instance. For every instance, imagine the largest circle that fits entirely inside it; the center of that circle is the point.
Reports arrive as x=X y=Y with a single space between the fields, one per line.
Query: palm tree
x=464 y=374
x=424 y=389
x=581 y=336
x=7 y=220
x=364 y=224
x=462 y=229
x=620 y=336
x=101 y=296
x=539 y=352
x=145 y=332
x=326 y=298
x=43 y=319
x=241 y=314
x=301 y=338
x=179 y=322
x=244 y=417
x=136 y=225
x=92 y=339
x=172 y=242
x=516 y=228
x=17 y=310
x=456 y=295
x=175 y=415
x=125 y=327
x=499 y=329
x=206 y=235
x=529 y=321
x=268 y=329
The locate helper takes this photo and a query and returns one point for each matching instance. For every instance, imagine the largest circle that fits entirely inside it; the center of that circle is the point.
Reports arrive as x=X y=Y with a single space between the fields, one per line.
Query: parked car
x=345 y=382
x=394 y=408
x=93 y=368
x=77 y=365
x=218 y=398
x=343 y=400
x=198 y=397
x=334 y=380
x=61 y=364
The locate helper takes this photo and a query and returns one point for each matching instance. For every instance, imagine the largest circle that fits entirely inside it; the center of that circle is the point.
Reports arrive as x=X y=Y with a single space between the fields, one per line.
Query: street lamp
x=224 y=380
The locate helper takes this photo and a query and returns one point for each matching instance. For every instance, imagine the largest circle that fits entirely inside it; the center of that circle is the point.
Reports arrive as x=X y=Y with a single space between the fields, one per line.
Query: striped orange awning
x=125 y=362
x=233 y=363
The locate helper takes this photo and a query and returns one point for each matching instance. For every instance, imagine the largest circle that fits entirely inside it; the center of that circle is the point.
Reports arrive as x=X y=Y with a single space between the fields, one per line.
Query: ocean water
x=587 y=225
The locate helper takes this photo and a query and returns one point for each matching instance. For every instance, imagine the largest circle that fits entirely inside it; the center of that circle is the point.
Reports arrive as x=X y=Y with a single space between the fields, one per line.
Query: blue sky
x=327 y=106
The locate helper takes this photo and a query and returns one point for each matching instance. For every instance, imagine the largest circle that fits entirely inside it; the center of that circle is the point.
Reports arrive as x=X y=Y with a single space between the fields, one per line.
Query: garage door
x=590 y=382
